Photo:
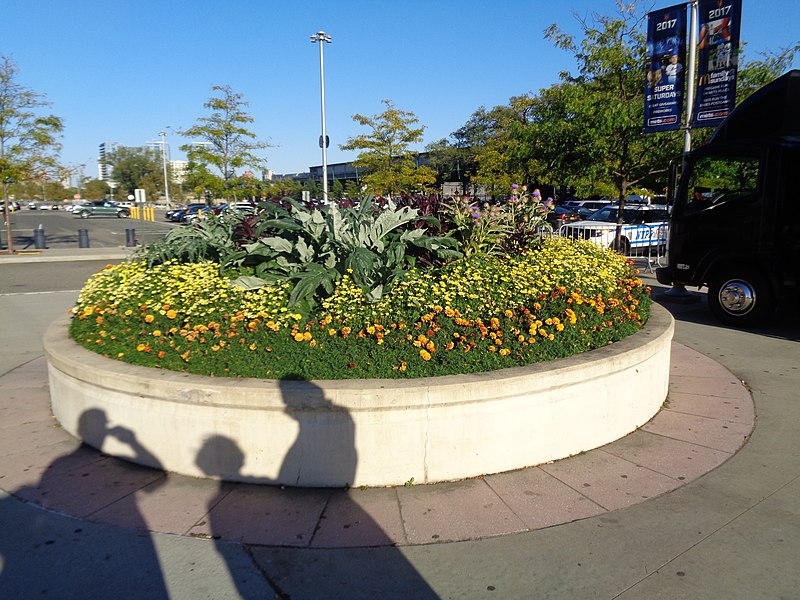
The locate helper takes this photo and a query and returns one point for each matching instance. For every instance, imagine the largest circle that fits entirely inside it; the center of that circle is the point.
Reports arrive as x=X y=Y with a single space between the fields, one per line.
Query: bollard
x=39 y=238
x=83 y=238
x=130 y=238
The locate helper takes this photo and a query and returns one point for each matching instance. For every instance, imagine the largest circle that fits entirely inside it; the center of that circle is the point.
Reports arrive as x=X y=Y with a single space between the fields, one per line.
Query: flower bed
x=360 y=432
x=477 y=314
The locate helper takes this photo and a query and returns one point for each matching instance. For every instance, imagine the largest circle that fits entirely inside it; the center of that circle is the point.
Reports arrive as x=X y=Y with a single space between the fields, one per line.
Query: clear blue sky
x=122 y=70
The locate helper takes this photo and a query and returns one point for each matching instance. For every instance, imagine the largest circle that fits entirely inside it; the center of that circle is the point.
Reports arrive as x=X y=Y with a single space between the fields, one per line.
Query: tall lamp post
x=163 y=135
x=322 y=38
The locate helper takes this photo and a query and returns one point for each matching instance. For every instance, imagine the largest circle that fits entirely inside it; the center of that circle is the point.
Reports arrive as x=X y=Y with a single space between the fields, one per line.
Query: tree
x=137 y=168
x=225 y=144
x=606 y=102
x=28 y=139
x=390 y=164
x=96 y=189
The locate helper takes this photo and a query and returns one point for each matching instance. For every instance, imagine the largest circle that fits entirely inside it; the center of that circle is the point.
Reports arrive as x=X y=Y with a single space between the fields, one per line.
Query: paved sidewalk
x=716 y=522
x=708 y=416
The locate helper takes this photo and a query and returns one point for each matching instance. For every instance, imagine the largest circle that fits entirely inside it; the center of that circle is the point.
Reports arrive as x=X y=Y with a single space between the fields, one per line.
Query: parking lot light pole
x=323 y=38
x=163 y=135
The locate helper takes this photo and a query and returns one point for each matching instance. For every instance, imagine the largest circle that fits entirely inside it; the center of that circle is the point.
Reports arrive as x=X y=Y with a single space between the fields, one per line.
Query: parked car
x=245 y=207
x=590 y=204
x=14 y=206
x=644 y=226
x=190 y=215
x=100 y=208
x=561 y=215
x=176 y=215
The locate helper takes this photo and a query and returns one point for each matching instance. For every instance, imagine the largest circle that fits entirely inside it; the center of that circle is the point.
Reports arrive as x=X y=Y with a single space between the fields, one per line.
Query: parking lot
x=61 y=229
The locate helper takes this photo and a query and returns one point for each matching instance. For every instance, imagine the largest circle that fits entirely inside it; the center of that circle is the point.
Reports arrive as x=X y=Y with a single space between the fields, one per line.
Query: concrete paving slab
x=255 y=514
x=738 y=410
x=677 y=459
x=610 y=481
x=361 y=518
x=712 y=433
x=540 y=500
x=90 y=488
x=173 y=504
x=455 y=511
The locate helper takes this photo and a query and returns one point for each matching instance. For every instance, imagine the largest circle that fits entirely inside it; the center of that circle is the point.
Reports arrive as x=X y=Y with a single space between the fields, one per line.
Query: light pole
x=323 y=37
x=163 y=135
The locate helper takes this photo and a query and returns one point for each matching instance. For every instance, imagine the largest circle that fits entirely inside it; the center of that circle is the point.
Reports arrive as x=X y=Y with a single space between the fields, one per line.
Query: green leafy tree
x=96 y=189
x=28 y=138
x=224 y=144
x=386 y=155
x=606 y=102
x=137 y=168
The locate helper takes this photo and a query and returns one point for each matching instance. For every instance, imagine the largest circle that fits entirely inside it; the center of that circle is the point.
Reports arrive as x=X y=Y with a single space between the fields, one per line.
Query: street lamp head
x=320 y=36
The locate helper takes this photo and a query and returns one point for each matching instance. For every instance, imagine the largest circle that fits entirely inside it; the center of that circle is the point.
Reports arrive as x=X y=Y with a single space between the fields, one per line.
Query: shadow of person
x=37 y=551
x=323 y=451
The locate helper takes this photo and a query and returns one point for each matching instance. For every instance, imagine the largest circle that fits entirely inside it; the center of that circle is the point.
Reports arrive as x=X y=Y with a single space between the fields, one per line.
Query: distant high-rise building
x=103 y=168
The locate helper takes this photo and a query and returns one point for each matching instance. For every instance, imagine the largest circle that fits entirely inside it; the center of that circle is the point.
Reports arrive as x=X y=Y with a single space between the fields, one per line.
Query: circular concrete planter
x=359 y=432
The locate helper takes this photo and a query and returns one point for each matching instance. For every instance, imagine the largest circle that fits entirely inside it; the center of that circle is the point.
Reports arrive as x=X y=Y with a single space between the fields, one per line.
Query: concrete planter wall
x=359 y=432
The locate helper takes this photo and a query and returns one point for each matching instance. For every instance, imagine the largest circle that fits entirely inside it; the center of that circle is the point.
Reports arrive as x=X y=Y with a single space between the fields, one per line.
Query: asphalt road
x=61 y=229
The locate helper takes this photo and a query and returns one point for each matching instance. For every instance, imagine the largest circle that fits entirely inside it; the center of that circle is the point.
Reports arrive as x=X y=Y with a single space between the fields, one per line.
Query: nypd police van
x=645 y=227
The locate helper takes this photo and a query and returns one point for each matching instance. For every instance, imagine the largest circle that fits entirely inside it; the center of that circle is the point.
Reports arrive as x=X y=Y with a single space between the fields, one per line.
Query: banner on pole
x=664 y=82
x=717 y=56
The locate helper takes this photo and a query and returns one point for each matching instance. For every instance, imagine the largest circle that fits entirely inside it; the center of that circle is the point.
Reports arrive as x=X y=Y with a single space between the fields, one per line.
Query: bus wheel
x=741 y=299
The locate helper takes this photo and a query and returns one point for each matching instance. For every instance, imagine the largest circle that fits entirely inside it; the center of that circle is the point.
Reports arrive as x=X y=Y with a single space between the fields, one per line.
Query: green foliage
x=134 y=168
x=476 y=314
x=312 y=247
x=28 y=138
x=224 y=146
x=390 y=165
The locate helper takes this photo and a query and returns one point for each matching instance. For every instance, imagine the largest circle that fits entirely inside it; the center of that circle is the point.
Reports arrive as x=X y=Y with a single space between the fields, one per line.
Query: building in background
x=103 y=168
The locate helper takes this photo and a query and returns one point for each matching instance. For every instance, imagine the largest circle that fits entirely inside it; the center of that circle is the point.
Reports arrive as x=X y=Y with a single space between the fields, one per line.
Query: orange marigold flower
x=149 y=318
x=307 y=336
x=171 y=314
x=161 y=354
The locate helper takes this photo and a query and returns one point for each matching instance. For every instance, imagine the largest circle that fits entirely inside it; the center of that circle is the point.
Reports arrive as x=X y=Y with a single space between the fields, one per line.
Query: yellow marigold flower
x=88 y=311
x=430 y=346
x=492 y=348
x=450 y=346
x=307 y=336
x=505 y=352
x=140 y=348
x=312 y=343
x=171 y=314
x=298 y=337
x=403 y=365
x=253 y=346
x=157 y=333
x=560 y=327
x=346 y=331
x=149 y=318
x=508 y=313
x=426 y=356
x=215 y=347
x=332 y=332
x=551 y=337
